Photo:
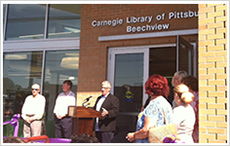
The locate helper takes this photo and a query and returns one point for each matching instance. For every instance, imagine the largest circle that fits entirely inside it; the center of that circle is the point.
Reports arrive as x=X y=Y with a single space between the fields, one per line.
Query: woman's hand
x=130 y=136
x=144 y=132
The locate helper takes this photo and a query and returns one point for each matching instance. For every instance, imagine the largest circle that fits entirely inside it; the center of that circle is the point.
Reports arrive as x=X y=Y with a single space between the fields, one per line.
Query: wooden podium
x=83 y=119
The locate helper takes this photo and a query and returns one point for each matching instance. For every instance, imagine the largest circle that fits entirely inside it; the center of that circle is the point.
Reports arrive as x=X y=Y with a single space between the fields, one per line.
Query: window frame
x=45 y=27
x=43 y=45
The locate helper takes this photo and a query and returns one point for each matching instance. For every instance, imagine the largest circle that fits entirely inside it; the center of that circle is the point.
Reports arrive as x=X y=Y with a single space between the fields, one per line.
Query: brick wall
x=213 y=73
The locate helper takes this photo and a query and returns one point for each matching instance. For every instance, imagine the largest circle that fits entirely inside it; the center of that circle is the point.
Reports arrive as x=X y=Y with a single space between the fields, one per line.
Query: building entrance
x=129 y=69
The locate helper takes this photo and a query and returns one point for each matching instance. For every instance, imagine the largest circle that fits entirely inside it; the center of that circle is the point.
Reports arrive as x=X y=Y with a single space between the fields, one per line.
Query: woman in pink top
x=192 y=83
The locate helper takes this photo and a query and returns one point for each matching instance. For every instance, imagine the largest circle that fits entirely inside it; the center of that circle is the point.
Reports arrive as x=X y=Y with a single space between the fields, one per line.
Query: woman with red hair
x=153 y=115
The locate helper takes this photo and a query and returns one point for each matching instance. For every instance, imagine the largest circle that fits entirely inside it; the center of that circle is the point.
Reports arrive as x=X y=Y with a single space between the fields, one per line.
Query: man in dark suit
x=108 y=104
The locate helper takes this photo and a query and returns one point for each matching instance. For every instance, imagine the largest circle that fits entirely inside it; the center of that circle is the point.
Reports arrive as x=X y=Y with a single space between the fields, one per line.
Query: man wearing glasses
x=32 y=112
x=108 y=104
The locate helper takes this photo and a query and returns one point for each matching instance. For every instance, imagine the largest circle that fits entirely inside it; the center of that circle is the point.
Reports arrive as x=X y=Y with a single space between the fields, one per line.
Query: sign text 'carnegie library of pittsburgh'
x=147 y=20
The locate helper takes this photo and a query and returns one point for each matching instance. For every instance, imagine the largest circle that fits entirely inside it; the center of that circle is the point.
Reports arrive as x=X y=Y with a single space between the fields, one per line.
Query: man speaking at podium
x=108 y=104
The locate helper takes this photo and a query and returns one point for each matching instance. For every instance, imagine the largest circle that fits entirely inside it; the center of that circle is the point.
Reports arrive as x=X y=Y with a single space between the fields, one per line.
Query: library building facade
x=121 y=43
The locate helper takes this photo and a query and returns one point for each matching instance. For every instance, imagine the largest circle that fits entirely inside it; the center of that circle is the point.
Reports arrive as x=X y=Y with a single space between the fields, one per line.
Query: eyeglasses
x=104 y=87
x=34 y=89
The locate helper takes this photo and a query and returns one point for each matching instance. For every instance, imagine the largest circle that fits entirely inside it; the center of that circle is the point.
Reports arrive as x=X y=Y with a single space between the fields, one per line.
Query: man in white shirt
x=32 y=112
x=63 y=122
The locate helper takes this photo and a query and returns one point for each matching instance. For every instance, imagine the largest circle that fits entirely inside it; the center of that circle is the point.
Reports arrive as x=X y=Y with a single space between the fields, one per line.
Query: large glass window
x=28 y=21
x=25 y=21
x=20 y=71
x=60 y=66
x=64 y=21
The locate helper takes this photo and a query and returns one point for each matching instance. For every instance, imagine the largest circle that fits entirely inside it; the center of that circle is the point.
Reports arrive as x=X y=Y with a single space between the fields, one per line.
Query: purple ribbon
x=15 y=123
x=59 y=140
x=170 y=139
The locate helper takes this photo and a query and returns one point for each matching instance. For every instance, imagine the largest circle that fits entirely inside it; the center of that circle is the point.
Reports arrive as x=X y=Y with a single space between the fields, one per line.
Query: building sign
x=146 y=23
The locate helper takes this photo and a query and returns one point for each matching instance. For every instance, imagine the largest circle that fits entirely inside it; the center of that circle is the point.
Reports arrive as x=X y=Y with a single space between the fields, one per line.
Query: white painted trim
x=194 y=59
x=144 y=46
x=41 y=44
x=43 y=71
x=148 y=35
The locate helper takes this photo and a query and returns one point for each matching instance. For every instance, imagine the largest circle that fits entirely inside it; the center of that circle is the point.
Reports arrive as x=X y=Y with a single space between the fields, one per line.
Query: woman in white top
x=183 y=114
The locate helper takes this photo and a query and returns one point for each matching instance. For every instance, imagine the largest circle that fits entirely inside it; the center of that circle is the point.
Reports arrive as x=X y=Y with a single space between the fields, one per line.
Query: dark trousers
x=104 y=137
x=63 y=127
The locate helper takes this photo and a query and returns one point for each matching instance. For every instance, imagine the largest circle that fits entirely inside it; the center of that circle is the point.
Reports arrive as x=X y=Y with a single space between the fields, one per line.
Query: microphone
x=87 y=99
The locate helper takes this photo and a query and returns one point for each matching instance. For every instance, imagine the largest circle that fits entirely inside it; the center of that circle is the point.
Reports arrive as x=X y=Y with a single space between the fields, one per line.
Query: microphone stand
x=83 y=104
x=86 y=100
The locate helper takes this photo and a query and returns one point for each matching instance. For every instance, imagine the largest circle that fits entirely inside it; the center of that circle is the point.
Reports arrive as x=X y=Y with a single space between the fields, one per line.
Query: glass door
x=185 y=56
x=128 y=72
